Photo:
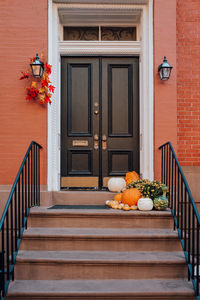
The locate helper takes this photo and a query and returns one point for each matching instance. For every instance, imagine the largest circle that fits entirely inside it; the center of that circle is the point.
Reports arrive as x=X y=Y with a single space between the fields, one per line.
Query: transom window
x=100 y=33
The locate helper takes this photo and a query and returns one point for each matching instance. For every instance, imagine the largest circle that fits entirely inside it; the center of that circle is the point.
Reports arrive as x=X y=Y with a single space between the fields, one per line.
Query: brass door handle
x=96 y=137
x=104 y=142
x=104 y=138
x=96 y=145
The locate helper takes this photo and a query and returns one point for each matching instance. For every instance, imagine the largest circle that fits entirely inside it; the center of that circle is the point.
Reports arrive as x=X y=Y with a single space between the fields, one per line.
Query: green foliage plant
x=149 y=189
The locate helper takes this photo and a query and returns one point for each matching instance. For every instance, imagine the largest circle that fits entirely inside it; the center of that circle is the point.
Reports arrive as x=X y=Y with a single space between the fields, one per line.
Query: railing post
x=2 y=262
x=39 y=177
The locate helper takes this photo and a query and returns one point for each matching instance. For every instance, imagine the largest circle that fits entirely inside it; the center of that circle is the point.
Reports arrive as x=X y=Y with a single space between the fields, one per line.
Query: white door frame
x=143 y=49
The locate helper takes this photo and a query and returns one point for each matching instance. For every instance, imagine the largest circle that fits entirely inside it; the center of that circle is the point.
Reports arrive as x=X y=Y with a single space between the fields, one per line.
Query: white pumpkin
x=145 y=204
x=116 y=184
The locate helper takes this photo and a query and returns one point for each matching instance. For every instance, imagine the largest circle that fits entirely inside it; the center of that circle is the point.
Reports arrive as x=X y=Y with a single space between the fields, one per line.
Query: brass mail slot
x=80 y=143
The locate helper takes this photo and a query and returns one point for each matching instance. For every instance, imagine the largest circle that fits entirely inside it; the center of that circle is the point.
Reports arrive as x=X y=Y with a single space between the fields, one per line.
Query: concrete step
x=81 y=197
x=100 y=289
x=102 y=239
x=99 y=218
x=58 y=265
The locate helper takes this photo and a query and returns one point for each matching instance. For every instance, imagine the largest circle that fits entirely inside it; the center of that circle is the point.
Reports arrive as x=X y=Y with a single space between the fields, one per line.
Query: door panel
x=85 y=155
x=120 y=116
x=80 y=90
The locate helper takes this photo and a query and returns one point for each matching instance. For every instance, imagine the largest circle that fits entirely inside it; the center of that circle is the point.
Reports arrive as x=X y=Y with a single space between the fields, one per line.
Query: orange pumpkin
x=131 y=196
x=131 y=176
x=118 y=197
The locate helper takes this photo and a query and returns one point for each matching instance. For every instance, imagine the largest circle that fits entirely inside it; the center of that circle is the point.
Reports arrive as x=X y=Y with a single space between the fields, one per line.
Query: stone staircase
x=99 y=254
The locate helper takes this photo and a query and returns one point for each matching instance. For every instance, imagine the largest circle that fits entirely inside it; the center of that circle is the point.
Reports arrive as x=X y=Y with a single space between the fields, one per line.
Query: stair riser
x=104 y=221
x=101 y=297
x=100 y=270
x=81 y=198
x=97 y=244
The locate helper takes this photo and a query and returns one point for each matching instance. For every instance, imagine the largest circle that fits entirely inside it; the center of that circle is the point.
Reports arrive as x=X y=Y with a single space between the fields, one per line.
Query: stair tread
x=95 y=212
x=101 y=256
x=100 y=232
x=110 y=287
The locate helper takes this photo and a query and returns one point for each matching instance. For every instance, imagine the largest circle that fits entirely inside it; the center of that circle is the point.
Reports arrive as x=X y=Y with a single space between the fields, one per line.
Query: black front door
x=99 y=120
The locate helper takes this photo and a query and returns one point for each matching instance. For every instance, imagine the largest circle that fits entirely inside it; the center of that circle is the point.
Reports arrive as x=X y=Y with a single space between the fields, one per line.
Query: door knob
x=104 y=142
x=96 y=137
x=96 y=112
x=104 y=138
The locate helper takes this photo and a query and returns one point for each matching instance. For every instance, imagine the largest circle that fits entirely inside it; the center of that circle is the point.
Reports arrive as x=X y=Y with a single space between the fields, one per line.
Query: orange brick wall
x=23 y=32
x=165 y=102
x=188 y=81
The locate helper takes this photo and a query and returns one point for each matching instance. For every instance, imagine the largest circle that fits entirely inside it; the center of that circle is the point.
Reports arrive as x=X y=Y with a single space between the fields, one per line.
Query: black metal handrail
x=184 y=210
x=24 y=194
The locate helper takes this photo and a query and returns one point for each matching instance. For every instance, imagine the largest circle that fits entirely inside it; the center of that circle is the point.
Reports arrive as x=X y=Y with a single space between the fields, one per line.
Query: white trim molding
x=143 y=48
x=99 y=48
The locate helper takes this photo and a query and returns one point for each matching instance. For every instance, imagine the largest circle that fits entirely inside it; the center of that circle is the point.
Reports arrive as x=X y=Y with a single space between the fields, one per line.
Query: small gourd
x=118 y=197
x=161 y=202
x=126 y=207
x=116 y=184
x=145 y=204
x=133 y=207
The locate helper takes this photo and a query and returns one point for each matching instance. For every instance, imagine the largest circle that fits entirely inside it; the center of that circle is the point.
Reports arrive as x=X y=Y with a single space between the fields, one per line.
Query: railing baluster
x=19 y=209
x=25 y=185
x=22 y=197
x=189 y=238
x=197 y=275
x=185 y=219
x=36 y=175
x=29 y=196
x=178 y=197
x=31 y=176
x=11 y=231
x=193 y=243
x=164 y=166
x=39 y=178
x=15 y=193
x=169 y=177
x=175 y=198
x=167 y=160
x=7 y=247
x=181 y=208
x=172 y=191
x=2 y=265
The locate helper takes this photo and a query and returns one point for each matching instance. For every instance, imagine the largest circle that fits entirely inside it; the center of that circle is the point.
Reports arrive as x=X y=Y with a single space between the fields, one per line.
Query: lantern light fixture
x=164 y=69
x=37 y=67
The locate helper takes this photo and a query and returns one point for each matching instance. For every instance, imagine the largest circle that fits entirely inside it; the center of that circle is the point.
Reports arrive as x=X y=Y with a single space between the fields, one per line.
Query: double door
x=99 y=120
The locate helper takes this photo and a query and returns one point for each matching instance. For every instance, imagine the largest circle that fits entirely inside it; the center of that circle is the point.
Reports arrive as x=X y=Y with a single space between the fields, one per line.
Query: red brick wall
x=188 y=81
x=23 y=32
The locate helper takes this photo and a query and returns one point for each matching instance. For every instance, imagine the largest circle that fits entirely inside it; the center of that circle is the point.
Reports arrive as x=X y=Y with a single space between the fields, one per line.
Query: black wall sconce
x=37 y=67
x=164 y=69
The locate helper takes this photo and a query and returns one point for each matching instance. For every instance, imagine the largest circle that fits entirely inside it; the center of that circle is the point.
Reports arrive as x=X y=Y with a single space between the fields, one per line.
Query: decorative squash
x=133 y=207
x=126 y=207
x=131 y=176
x=131 y=196
x=116 y=184
x=161 y=202
x=118 y=197
x=145 y=204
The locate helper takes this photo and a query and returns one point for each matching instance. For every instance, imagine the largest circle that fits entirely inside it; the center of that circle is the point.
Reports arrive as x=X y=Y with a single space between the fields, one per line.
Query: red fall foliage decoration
x=40 y=89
